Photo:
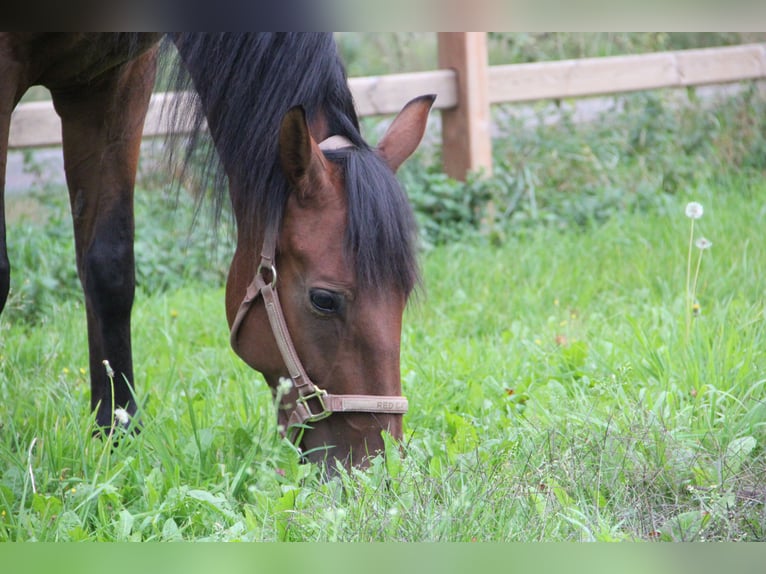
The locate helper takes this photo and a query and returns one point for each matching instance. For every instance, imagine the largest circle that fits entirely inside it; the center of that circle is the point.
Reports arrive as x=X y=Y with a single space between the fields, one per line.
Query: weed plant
x=646 y=149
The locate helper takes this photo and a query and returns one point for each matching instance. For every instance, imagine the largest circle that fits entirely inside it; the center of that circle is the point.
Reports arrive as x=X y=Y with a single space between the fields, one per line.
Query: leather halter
x=313 y=403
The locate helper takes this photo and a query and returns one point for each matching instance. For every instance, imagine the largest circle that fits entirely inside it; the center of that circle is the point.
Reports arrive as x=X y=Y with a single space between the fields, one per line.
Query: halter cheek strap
x=313 y=403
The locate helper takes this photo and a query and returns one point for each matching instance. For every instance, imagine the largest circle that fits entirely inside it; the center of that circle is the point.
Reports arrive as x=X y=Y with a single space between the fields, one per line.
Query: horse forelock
x=381 y=229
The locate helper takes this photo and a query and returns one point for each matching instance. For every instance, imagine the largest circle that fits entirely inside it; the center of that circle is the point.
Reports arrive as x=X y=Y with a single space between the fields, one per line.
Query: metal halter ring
x=273 y=270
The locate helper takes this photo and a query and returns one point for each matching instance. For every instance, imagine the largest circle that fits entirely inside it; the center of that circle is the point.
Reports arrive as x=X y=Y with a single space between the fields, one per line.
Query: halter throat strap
x=313 y=403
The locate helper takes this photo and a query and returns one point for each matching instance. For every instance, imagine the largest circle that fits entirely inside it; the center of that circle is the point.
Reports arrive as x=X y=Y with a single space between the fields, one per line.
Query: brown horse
x=325 y=257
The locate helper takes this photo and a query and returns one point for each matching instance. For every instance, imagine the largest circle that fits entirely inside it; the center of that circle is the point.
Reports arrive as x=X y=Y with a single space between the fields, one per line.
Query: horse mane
x=240 y=86
x=105 y=50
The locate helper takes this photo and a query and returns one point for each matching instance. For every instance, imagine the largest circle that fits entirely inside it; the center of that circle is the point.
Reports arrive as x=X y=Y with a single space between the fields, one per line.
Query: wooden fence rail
x=466 y=86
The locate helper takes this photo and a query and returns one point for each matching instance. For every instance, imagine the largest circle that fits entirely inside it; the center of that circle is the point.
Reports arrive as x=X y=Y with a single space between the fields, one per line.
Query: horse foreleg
x=101 y=127
x=9 y=95
x=5 y=266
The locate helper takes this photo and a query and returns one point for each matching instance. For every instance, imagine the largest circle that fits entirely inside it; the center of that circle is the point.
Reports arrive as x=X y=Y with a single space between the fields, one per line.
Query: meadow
x=577 y=368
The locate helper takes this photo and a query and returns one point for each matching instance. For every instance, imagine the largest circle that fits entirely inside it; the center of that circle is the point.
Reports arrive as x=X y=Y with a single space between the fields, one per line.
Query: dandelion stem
x=696 y=276
x=29 y=465
x=689 y=295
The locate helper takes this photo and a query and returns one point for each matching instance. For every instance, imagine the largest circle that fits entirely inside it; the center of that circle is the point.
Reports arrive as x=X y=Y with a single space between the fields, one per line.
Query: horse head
x=325 y=295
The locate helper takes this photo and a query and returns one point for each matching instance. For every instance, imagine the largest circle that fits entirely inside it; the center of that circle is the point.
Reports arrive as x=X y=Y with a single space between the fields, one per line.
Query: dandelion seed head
x=703 y=243
x=122 y=416
x=694 y=210
x=285 y=385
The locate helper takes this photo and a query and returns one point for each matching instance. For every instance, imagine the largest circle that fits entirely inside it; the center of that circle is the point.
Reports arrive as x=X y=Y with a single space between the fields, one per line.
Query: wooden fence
x=466 y=86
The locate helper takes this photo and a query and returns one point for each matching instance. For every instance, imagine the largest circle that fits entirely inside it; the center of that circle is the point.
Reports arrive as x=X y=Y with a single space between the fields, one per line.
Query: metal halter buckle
x=319 y=395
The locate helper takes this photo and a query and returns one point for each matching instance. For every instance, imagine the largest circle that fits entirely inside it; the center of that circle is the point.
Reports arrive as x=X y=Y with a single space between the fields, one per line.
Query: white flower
x=285 y=385
x=694 y=210
x=703 y=243
x=122 y=416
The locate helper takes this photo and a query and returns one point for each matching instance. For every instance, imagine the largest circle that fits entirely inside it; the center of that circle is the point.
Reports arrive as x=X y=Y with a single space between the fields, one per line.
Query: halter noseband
x=313 y=403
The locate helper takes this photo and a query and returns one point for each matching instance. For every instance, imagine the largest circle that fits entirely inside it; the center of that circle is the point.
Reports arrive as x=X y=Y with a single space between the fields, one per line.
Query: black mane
x=243 y=84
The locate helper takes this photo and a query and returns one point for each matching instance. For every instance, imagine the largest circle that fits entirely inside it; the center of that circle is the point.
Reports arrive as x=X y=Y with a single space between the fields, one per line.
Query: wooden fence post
x=467 y=145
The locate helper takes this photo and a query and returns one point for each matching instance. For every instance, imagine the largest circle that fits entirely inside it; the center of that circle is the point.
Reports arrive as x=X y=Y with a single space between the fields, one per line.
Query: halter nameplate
x=313 y=403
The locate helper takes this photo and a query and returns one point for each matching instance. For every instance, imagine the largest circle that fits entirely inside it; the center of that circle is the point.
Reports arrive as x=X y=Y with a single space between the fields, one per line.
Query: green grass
x=554 y=396
x=555 y=391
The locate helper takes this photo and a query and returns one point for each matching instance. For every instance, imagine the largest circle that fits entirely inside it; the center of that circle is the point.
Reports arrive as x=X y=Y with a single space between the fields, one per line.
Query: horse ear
x=295 y=145
x=299 y=155
x=405 y=132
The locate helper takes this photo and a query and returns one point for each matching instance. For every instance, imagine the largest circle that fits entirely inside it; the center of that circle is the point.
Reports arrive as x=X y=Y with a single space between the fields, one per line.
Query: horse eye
x=325 y=302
